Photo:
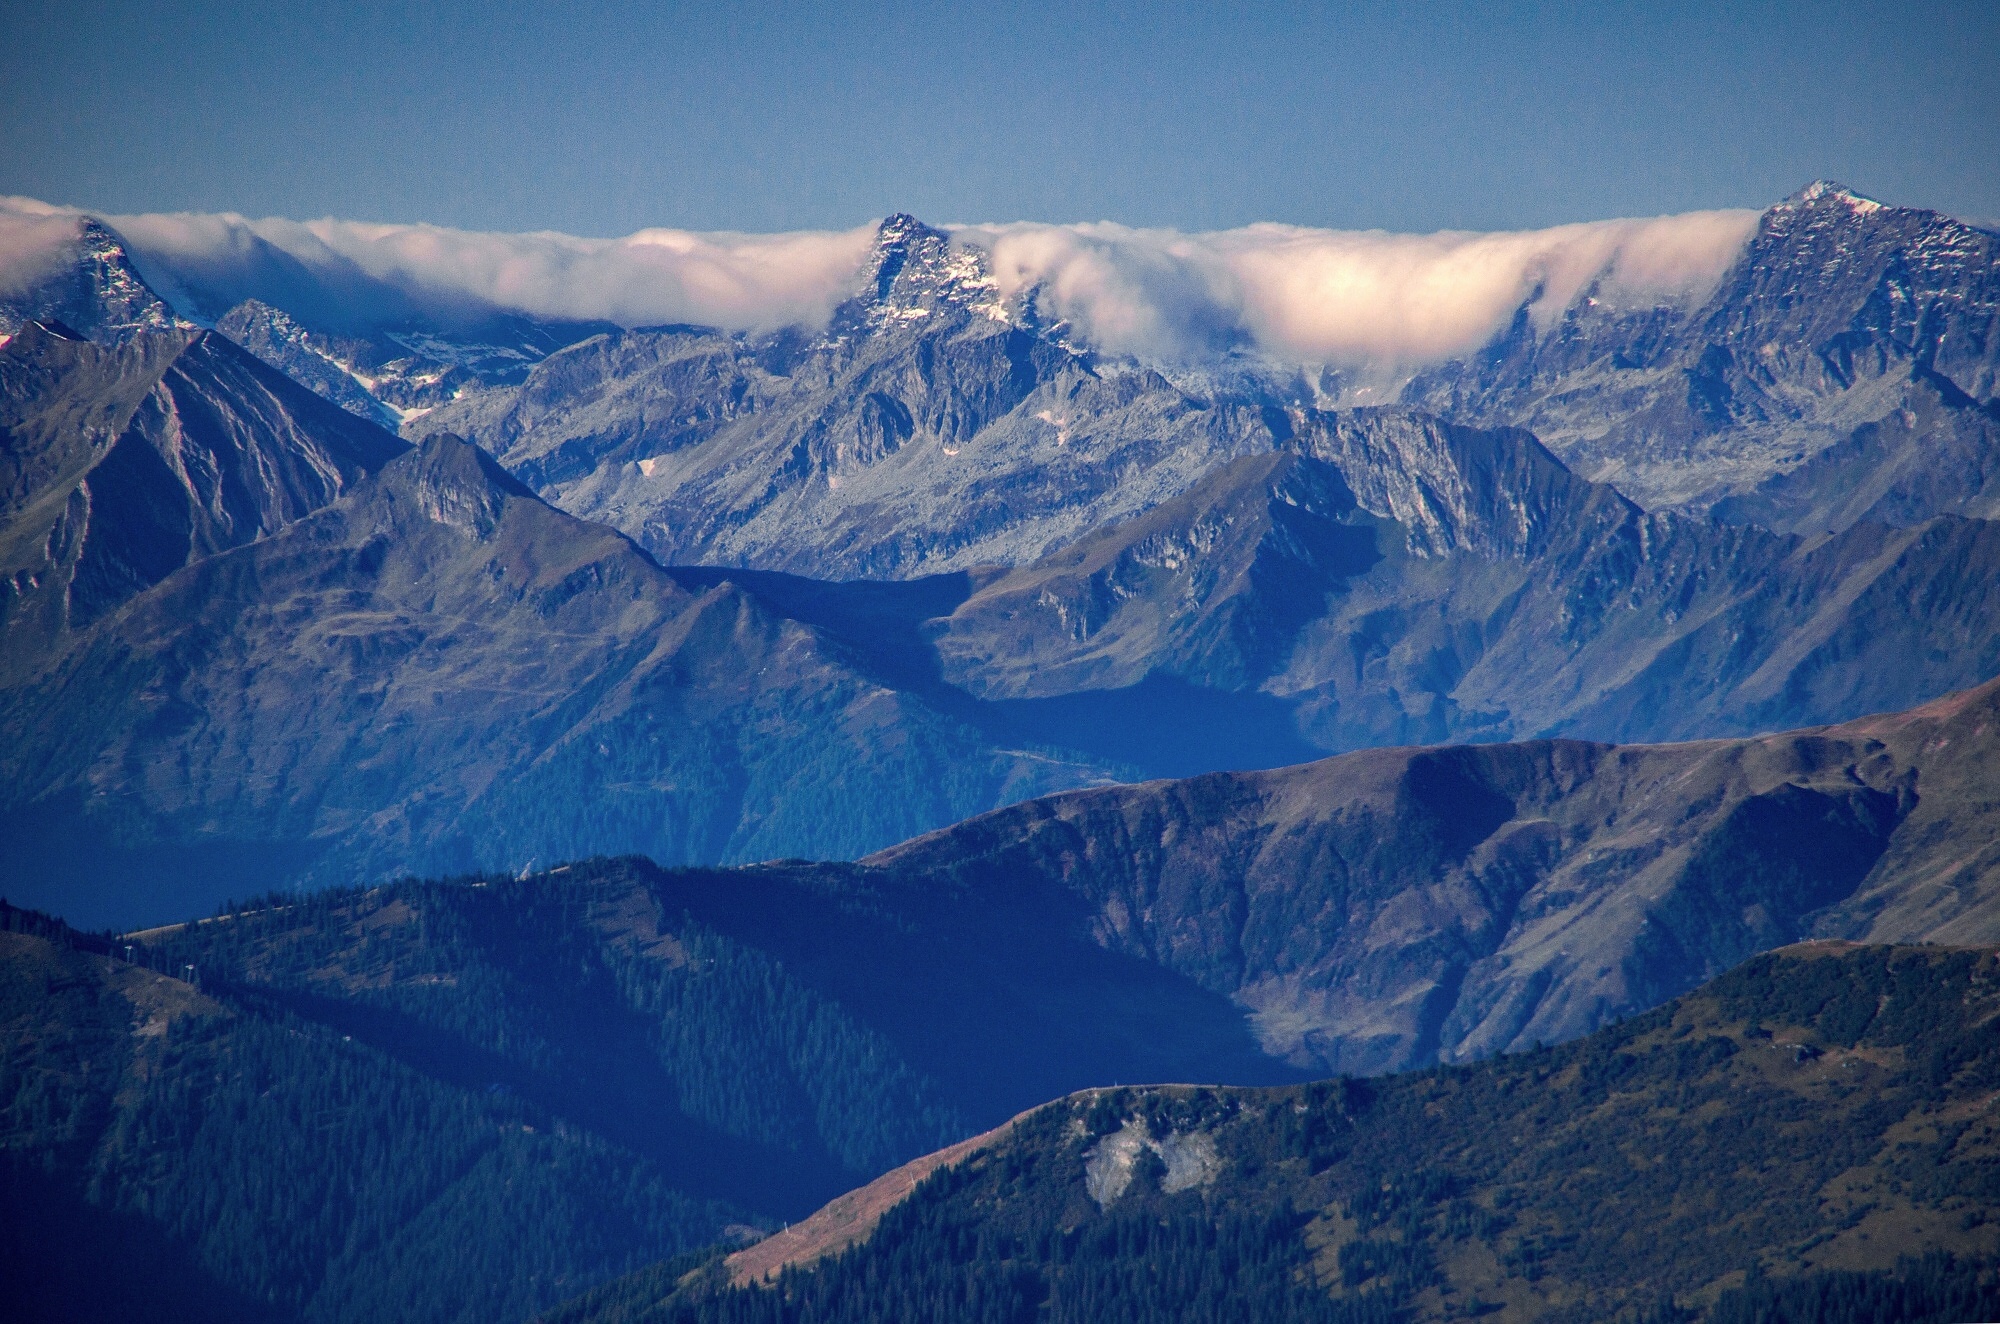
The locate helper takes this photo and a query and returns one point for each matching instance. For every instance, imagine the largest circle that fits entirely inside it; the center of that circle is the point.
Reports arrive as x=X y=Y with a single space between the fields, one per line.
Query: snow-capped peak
x=1828 y=190
x=81 y=276
x=916 y=271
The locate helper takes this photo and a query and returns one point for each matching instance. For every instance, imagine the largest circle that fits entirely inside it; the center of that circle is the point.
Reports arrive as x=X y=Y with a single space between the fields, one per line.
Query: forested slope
x=1809 y=1138
x=169 y=1153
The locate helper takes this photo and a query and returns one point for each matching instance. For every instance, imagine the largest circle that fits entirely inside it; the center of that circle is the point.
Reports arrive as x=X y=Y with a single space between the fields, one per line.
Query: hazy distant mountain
x=931 y=427
x=1843 y=370
x=124 y=462
x=439 y=671
x=1140 y=578
x=396 y=374
x=1387 y=578
x=338 y=332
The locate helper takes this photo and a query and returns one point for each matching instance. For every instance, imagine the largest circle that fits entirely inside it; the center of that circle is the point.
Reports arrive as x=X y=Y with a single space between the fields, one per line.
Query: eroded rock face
x=1187 y=1159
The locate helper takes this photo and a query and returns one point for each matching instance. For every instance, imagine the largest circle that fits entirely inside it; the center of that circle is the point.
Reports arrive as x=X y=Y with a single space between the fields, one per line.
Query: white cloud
x=33 y=238
x=1365 y=298
x=738 y=281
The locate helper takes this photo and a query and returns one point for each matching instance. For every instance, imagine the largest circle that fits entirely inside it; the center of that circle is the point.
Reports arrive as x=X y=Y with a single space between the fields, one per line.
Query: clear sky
x=603 y=119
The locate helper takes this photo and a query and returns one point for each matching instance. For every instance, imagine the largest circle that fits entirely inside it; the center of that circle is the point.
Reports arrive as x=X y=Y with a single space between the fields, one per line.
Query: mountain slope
x=1388 y=578
x=440 y=672
x=125 y=462
x=596 y=1066
x=1783 y=1144
x=1390 y=908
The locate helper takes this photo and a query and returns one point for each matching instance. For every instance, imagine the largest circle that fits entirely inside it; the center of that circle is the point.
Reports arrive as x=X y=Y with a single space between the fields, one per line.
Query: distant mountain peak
x=915 y=270
x=91 y=286
x=455 y=483
x=1822 y=192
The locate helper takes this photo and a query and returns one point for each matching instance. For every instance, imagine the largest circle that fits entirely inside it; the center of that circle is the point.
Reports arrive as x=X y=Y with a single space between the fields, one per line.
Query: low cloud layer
x=738 y=281
x=1294 y=294
x=1360 y=298
x=33 y=239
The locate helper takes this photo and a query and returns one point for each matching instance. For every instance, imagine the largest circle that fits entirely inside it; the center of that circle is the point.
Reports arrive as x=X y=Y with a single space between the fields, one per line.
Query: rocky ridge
x=1843 y=323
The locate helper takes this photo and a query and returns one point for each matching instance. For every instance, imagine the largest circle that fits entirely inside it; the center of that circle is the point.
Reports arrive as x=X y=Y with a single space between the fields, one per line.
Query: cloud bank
x=33 y=239
x=747 y=282
x=1344 y=297
x=1293 y=294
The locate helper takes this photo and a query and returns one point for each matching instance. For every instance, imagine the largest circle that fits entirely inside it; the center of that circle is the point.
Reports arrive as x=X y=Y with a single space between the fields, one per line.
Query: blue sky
x=599 y=120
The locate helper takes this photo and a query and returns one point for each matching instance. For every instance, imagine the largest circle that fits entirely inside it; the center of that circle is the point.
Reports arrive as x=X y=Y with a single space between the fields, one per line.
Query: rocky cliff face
x=1843 y=324
x=1843 y=371
x=394 y=375
x=81 y=279
x=929 y=429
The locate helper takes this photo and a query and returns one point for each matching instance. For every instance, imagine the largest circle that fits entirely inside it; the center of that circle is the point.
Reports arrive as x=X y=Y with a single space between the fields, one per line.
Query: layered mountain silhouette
x=1388 y=578
x=439 y=671
x=756 y=1039
x=286 y=647
x=836 y=657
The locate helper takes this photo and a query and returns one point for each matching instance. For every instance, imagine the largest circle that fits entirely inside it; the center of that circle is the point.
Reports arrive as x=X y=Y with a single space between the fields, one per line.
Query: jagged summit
x=89 y=285
x=1829 y=191
x=455 y=483
x=916 y=270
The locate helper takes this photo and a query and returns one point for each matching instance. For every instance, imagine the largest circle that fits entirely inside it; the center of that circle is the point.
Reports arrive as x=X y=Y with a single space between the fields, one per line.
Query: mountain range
x=827 y=744
x=480 y=1099
x=1236 y=583
x=750 y=1042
